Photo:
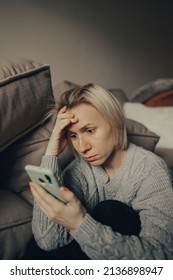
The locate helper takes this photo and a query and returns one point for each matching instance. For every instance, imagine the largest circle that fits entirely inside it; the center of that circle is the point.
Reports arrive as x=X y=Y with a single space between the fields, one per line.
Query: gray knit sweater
x=144 y=183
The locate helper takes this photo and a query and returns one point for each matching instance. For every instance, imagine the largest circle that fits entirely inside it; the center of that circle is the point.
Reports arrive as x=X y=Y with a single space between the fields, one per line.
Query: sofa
x=26 y=99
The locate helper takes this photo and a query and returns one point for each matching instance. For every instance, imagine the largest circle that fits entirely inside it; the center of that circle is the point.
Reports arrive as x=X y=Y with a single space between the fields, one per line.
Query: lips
x=91 y=158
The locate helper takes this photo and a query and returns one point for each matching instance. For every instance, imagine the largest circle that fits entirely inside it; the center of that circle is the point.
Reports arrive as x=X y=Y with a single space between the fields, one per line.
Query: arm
x=50 y=232
x=50 y=235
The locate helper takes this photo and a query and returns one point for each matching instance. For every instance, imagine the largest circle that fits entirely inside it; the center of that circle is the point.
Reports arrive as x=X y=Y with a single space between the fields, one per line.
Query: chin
x=97 y=162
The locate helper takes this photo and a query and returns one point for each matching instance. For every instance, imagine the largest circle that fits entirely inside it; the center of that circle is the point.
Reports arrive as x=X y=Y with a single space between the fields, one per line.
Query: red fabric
x=162 y=99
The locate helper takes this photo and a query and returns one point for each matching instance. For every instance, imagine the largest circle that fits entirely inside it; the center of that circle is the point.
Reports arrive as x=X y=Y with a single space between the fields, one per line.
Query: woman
x=119 y=196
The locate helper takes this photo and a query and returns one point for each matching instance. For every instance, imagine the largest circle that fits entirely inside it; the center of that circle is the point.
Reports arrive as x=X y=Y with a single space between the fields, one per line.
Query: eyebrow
x=82 y=128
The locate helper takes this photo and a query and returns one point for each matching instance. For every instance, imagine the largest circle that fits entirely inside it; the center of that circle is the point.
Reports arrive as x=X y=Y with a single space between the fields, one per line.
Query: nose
x=83 y=145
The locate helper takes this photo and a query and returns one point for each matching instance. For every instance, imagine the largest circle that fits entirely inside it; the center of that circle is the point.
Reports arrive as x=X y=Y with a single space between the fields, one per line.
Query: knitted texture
x=144 y=183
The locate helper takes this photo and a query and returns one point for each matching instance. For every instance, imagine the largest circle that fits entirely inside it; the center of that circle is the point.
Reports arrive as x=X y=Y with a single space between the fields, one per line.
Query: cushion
x=140 y=135
x=158 y=120
x=151 y=89
x=162 y=99
x=27 y=150
x=119 y=94
x=15 y=225
x=25 y=94
x=61 y=87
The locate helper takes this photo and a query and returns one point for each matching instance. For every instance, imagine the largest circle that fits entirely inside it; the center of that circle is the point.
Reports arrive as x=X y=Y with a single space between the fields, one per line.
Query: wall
x=116 y=43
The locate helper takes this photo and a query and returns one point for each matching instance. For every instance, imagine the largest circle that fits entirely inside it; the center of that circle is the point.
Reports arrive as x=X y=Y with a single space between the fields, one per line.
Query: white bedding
x=158 y=120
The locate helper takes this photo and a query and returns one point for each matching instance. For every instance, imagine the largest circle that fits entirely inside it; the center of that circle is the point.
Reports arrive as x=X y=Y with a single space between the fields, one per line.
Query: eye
x=73 y=136
x=90 y=130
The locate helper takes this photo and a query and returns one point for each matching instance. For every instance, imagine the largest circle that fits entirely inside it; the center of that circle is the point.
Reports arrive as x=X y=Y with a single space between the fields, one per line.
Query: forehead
x=83 y=109
x=86 y=114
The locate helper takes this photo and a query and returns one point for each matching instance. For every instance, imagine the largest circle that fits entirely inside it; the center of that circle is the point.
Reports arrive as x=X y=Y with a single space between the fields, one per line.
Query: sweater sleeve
x=154 y=201
x=48 y=235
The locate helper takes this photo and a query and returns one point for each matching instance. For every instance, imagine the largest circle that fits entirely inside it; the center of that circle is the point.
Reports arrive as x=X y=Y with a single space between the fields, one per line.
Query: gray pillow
x=15 y=225
x=29 y=149
x=151 y=89
x=25 y=97
x=140 y=135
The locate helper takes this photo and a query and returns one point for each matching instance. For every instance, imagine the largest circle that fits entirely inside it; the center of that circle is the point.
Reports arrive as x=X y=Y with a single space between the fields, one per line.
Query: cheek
x=110 y=137
x=106 y=141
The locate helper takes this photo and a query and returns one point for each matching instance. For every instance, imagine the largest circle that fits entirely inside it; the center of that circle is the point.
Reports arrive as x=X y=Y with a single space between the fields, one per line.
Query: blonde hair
x=104 y=101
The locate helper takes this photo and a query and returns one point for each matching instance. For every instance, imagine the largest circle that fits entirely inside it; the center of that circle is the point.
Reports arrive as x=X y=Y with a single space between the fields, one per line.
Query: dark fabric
x=117 y=215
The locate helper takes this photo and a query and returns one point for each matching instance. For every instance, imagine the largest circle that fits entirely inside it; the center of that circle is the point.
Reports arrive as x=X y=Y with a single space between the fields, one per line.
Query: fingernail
x=31 y=184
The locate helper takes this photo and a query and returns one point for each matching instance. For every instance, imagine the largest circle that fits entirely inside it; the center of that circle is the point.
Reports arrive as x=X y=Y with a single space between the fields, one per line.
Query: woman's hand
x=58 y=139
x=70 y=215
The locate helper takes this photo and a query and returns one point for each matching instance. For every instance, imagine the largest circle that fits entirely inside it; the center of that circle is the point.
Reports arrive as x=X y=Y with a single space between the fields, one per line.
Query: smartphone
x=45 y=178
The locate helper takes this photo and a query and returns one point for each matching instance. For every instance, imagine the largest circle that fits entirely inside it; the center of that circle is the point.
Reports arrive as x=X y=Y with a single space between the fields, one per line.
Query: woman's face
x=92 y=136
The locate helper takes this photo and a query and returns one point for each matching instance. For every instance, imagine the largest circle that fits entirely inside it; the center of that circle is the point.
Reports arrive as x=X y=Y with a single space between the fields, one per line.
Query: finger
x=41 y=194
x=64 y=115
x=67 y=194
x=34 y=189
x=63 y=109
x=63 y=124
x=74 y=120
x=47 y=203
